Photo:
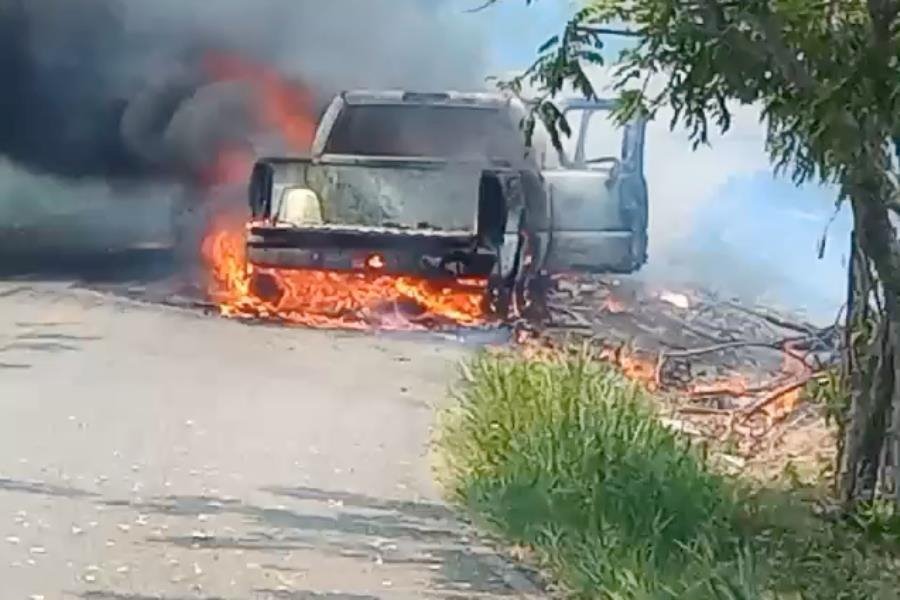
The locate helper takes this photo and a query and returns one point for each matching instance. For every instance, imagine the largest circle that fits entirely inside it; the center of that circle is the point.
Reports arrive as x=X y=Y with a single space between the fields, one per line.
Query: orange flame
x=634 y=365
x=614 y=305
x=331 y=299
x=283 y=106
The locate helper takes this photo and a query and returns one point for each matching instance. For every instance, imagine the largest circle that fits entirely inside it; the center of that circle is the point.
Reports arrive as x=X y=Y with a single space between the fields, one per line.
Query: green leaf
x=548 y=44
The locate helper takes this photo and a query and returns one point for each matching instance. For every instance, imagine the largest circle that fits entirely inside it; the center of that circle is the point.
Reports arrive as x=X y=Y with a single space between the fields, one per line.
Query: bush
x=568 y=458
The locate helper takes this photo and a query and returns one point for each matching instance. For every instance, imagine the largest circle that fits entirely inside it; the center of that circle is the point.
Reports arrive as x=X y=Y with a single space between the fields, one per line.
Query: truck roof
x=488 y=100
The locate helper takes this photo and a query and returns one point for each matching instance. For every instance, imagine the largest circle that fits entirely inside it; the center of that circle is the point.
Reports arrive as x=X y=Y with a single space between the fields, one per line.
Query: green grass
x=570 y=460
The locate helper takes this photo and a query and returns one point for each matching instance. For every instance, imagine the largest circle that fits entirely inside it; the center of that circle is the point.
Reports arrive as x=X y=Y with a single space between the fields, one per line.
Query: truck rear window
x=425 y=131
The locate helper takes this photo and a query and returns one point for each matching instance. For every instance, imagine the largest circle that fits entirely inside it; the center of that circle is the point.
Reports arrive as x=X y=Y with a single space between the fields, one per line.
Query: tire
x=266 y=287
x=638 y=254
x=639 y=242
x=499 y=293
x=532 y=299
x=500 y=297
x=522 y=294
x=529 y=285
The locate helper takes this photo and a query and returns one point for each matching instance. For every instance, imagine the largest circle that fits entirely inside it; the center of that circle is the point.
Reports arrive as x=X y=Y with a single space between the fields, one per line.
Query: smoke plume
x=120 y=88
x=111 y=106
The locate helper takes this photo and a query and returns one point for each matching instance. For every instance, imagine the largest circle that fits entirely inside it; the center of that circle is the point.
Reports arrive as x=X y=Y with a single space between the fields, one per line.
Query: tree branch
x=609 y=31
x=481 y=7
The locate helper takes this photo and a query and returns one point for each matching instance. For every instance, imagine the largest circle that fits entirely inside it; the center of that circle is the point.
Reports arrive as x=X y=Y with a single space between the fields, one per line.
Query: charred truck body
x=443 y=186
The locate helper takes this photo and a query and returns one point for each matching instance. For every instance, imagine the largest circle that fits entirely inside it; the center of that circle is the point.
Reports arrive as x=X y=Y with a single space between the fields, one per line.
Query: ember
x=614 y=305
x=328 y=299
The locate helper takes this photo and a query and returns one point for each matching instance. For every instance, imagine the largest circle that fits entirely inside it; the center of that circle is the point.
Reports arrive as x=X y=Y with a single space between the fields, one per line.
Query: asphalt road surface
x=151 y=452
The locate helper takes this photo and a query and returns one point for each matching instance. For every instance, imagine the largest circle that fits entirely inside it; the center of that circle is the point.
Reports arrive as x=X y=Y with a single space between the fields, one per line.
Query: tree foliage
x=826 y=76
x=825 y=73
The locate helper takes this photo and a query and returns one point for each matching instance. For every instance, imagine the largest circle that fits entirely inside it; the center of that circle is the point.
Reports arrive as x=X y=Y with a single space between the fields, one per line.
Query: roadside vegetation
x=567 y=459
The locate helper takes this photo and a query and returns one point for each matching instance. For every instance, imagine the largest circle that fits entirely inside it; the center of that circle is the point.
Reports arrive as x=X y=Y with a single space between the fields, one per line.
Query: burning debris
x=332 y=299
x=729 y=369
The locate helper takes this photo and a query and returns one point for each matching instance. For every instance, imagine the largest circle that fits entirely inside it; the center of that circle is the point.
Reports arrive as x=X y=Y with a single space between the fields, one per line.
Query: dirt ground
x=149 y=452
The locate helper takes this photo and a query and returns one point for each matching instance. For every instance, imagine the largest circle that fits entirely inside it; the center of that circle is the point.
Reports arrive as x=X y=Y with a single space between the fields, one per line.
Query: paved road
x=149 y=452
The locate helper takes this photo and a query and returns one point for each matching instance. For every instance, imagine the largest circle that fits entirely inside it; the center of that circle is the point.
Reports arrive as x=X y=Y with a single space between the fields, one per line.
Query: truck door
x=598 y=193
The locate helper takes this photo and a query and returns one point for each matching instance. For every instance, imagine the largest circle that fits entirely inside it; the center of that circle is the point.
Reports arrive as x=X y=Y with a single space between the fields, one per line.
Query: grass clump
x=569 y=459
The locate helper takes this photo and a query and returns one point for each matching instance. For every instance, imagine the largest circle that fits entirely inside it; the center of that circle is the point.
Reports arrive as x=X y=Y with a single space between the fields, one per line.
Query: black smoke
x=116 y=89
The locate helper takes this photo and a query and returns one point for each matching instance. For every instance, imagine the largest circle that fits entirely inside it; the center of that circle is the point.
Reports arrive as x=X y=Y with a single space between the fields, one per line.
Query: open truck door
x=598 y=193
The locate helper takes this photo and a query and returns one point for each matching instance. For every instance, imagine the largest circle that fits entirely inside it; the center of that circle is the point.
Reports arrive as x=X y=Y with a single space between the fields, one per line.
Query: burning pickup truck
x=442 y=187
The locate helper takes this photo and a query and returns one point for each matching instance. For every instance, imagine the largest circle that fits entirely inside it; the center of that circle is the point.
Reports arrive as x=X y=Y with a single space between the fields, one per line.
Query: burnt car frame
x=442 y=186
